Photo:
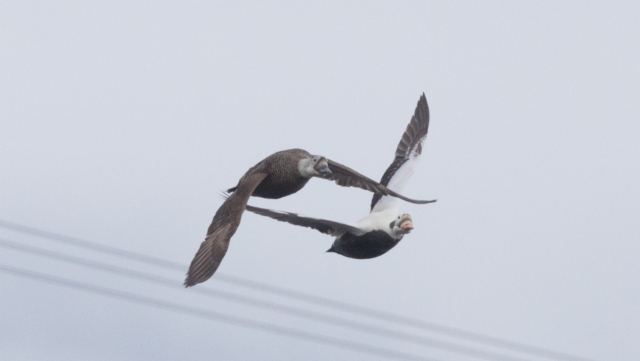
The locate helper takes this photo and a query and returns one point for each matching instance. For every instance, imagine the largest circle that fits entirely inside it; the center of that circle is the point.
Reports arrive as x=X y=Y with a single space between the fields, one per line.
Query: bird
x=383 y=228
x=278 y=175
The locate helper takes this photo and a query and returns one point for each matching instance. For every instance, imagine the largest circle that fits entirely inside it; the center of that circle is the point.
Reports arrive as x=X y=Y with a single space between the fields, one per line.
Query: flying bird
x=279 y=175
x=384 y=227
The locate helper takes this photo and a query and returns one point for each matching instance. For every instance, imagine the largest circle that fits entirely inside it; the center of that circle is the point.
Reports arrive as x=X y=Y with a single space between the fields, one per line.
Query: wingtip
x=407 y=199
x=188 y=282
x=423 y=99
x=424 y=202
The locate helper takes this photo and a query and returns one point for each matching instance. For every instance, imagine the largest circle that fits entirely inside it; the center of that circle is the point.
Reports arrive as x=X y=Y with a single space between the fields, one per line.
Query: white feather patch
x=398 y=181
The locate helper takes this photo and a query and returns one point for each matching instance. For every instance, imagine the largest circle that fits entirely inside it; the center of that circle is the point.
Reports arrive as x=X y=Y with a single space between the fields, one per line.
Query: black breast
x=369 y=245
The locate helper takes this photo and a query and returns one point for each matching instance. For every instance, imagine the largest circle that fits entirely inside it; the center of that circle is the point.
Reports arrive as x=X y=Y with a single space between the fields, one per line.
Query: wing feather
x=347 y=177
x=322 y=225
x=406 y=157
x=222 y=228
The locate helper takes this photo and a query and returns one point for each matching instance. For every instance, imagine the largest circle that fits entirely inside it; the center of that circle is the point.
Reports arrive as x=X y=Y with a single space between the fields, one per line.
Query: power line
x=211 y=315
x=294 y=311
x=301 y=296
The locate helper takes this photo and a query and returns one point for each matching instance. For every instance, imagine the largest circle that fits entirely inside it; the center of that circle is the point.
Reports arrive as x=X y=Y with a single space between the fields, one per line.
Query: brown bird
x=279 y=175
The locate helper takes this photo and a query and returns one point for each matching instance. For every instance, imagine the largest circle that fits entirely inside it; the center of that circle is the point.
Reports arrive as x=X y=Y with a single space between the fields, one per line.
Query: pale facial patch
x=305 y=167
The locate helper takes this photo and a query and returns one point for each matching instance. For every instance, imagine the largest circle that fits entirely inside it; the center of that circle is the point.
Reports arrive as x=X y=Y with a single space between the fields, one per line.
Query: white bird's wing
x=406 y=159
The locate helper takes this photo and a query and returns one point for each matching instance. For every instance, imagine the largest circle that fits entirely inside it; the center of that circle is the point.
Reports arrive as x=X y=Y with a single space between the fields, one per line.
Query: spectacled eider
x=383 y=227
x=279 y=175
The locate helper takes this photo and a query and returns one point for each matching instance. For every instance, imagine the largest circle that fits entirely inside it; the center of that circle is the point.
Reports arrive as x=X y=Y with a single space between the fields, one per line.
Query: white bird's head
x=402 y=225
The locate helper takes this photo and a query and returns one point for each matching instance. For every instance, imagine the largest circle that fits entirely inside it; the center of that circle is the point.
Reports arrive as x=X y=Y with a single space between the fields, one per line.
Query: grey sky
x=121 y=121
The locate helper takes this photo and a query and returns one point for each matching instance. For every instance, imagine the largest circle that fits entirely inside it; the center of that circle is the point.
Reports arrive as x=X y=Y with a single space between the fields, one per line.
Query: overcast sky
x=121 y=121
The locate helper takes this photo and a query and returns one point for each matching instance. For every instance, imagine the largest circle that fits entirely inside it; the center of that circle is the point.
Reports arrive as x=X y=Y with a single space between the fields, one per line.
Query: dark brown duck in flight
x=279 y=175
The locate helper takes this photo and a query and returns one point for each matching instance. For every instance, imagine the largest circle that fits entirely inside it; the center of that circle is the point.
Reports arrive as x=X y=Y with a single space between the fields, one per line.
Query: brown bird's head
x=316 y=166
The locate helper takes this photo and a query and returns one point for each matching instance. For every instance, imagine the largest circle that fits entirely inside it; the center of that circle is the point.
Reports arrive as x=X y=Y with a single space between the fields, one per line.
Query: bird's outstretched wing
x=224 y=225
x=406 y=157
x=327 y=227
x=347 y=177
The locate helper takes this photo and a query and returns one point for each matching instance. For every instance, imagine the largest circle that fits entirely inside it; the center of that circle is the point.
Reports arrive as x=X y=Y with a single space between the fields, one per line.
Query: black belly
x=369 y=245
x=275 y=189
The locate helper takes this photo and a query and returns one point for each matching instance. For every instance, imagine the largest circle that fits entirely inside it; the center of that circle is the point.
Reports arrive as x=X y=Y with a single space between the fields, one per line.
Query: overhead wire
x=301 y=296
x=255 y=302
x=212 y=315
